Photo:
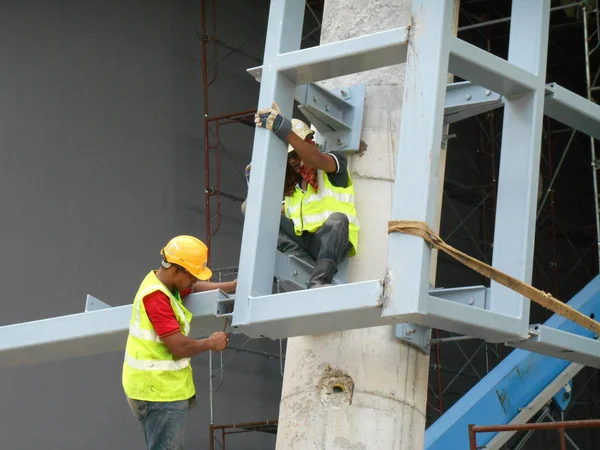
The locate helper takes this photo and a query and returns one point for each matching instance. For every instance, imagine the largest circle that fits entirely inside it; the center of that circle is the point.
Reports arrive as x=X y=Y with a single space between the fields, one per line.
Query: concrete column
x=360 y=389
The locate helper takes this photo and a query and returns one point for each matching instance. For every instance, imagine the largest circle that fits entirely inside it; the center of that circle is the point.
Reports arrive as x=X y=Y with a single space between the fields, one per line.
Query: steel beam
x=418 y=159
x=514 y=232
x=327 y=309
x=333 y=60
x=563 y=345
x=101 y=329
x=572 y=110
x=490 y=71
x=261 y=222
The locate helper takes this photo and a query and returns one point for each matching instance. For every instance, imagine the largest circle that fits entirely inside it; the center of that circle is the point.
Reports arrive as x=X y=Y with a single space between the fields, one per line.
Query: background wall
x=101 y=162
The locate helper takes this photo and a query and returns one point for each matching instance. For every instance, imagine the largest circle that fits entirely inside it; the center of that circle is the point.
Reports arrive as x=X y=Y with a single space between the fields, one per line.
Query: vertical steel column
x=419 y=147
x=261 y=223
x=520 y=159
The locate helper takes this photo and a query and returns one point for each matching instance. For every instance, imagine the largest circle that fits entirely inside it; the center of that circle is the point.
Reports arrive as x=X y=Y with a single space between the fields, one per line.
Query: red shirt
x=159 y=310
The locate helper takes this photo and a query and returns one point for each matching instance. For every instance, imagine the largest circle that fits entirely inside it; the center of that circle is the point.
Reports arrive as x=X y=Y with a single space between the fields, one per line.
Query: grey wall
x=101 y=162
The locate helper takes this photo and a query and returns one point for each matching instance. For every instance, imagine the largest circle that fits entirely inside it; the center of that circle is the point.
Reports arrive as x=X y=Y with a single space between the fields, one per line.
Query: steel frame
x=403 y=295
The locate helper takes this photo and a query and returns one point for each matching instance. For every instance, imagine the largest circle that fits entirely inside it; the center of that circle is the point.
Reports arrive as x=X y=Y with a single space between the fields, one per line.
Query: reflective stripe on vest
x=309 y=210
x=150 y=364
x=320 y=218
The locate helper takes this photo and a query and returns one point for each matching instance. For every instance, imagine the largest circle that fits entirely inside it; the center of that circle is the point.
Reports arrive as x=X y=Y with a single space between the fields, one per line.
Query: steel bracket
x=417 y=336
x=93 y=304
x=465 y=99
x=336 y=114
x=476 y=296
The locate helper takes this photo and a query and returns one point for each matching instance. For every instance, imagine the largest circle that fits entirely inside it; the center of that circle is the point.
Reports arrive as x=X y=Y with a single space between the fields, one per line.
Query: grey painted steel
x=487 y=70
x=469 y=321
x=572 y=110
x=416 y=335
x=563 y=345
x=475 y=296
x=464 y=100
x=335 y=308
x=514 y=235
x=337 y=115
x=93 y=304
x=354 y=55
x=419 y=147
x=261 y=223
x=97 y=331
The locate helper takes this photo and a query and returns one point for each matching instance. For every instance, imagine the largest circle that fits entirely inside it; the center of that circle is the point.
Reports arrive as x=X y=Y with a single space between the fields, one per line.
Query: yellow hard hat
x=188 y=252
x=301 y=129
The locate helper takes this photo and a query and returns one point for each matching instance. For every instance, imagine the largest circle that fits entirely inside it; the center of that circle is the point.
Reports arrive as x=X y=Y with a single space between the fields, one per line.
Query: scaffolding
x=477 y=354
x=482 y=199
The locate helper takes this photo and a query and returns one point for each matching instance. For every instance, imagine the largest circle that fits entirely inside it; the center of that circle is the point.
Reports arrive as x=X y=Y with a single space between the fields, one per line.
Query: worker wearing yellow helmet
x=319 y=216
x=157 y=373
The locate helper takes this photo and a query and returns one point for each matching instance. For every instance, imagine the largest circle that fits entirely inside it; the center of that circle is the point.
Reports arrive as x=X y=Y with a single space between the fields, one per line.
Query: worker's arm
x=226 y=286
x=182 y=346
x=273 y=120
x=310 y=154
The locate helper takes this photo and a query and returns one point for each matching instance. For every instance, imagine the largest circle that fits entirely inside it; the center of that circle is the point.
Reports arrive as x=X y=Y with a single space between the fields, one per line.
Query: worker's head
x=303 y=131
x=185 y=258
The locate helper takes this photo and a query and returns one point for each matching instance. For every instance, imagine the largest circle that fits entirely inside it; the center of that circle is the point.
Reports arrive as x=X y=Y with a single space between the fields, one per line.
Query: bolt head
x=488 y=92
x=471 y=301
x=468 y=96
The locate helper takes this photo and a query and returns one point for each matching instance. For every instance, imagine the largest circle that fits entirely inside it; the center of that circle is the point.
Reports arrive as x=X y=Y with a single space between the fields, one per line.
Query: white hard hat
x=302 y=130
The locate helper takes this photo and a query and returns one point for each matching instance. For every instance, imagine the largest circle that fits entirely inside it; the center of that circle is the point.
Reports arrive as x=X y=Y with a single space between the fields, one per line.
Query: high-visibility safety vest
x=150 y=371
x=310 y=209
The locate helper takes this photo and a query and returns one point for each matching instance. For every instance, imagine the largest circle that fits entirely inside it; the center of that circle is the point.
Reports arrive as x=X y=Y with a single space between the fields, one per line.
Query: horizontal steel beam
x=487 y=70
x=315 y=311
x=359 y=54
x=101 y=329
x=563 y=345
x=572 y=110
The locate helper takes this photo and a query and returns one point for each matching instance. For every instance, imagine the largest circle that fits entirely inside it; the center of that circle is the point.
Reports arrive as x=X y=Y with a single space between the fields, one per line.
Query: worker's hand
x=273 y=120
x=219 y=341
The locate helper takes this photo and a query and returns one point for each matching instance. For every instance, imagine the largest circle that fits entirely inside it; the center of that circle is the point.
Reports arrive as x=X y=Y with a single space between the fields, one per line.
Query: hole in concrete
x=337 y=388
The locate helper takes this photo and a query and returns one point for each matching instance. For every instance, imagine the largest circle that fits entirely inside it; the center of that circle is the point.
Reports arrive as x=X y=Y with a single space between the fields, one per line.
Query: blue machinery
x=403 y=294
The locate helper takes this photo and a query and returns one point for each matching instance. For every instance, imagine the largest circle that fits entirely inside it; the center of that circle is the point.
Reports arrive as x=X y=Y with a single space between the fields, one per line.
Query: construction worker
x=319 y=216
x=157 y=373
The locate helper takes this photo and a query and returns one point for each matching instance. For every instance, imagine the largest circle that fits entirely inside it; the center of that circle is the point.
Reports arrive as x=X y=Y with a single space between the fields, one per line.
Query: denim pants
x=162 y=422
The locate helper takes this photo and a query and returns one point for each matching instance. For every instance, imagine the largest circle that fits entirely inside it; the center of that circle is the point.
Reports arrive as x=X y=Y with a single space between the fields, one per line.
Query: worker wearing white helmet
x=319 y=213
x=157 y=373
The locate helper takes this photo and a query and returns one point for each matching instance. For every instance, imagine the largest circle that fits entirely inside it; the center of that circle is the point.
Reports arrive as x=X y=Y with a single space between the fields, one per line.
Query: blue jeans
x=162 y=422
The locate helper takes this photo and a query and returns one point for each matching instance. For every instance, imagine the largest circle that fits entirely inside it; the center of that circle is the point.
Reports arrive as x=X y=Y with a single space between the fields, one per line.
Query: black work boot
x=322 y=274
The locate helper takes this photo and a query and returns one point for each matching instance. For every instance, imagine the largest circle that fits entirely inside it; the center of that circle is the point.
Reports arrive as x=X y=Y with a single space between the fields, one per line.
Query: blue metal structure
x=500 y=396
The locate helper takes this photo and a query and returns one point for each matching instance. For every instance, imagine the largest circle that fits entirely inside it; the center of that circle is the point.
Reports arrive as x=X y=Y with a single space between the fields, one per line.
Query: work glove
x=273 y=120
